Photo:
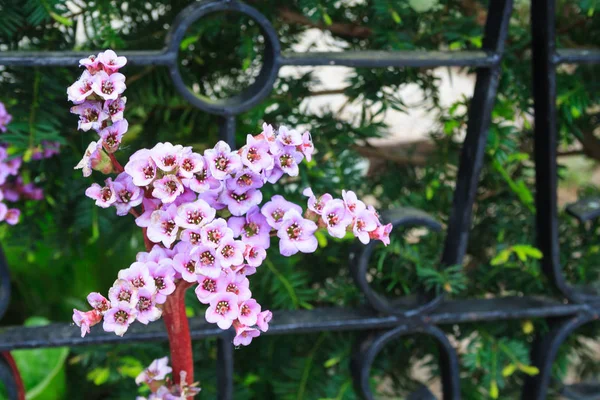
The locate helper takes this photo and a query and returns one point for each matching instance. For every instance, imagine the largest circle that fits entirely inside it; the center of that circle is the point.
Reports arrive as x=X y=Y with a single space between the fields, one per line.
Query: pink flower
x=244 y=180
x=307 y=147
x=289 y=137
x=155 y=255
x=141 y=167
x=128 y=195
x=194 y=215
x=104 y=196
x=230 y=252
x=352 y=203
x=314 y=204
x=382 y=232
x=191 y=236
x=255 y=255
x=255 y=154
x=146 y=307
x=208 y=287
x=263 y=319
x=249 y=311
x=91 y=63
x=91 y=115
x=163 y=227
x=287 y=160
x=91 y=158
x=122 y=291
x=86 y=319
x=244 y=270
x=110 y=61
x=98 y=302
x=223 y=310
x=109 y=87
x=222 y=161
x=187 y=265
x=296 y=234
x=112 y=135
x=365 y=221
x=118 y=318
x=167 y=188
x=190 y=164
x=5 y=117
x=240 y=203
x=114 y=108
x=276 y=208
x=238 y=285
x=208 y=262
x=139 y=276
x=163 y=276
x=244 y=335
x=253 y=228
x=166 y=156
x=12 y=216
x=215 y=233
x=150 y=205
x=337 y=218
x=156 y=371
x=213 y=197
x=81 y=89
x=201 y=181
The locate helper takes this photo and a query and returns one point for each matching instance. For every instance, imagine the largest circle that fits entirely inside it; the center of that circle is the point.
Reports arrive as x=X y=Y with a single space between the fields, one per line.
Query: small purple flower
x=253 y=228
x=112 y=135
x=85 y=320
x=166 y=156
x=163 y=276
x=5 y=118
x=307 y=147
x=122 y=291
x=222 y=161
x=146 y=307
x=187 y=265
x=191 y=236
x=156 y=371
x=128 y=195
x=91 y=158
x=187 y=196
x=382 y=232
x=240 y=203
x=296 y=234
x=263 y=319
x=114 y=108
x=289 y=137
x=255 y=255
x=213 y=197
x=162 y=226
x=110 y=61
x=352 y=203
x=365 y=221
x=314 y=204
x=141 y=167
x=104 y=196
x=223 y=310
x=109 y=87
x=337 y=218
x=208 y=262
x=167 y=188
x=287 y=159
x=150 y=205
x=118 y=318
x=81 y=89
x=238 y=285
x=208 y=287
x=12 y=216
x=244 y=180
x=230 y=252
x=190 y=164
x=215 y=233
x=275 y=209
x=255 y=154
x=98 y=302
x=249 y=311
x=194 y=215
x=155 y=255
x=244 y=335
x=138 y=275
x=91 y=115
x=91 y=63
x=202 y=181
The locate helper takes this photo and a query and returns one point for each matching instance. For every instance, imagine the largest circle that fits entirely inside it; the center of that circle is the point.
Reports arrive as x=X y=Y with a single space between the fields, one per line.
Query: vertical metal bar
x=225 y=366
x=480 y=115
x=227 y=130
x=4 y=283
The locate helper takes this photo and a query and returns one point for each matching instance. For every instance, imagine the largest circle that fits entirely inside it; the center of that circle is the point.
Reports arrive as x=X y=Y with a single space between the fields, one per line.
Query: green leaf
x=501 y=257
x=396 y=17
x=509 y=370
x=331 y=362
x=327 y=19
x=529 y=369
x=99 y=375
x=60 y=19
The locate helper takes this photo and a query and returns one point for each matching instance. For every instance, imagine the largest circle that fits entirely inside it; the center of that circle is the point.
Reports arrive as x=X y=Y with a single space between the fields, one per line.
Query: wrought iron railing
x=386 y=319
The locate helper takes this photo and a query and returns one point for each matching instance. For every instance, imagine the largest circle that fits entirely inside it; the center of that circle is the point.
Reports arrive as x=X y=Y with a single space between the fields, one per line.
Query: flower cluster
x=99 y=104
x=162 y=387
x=12 y=187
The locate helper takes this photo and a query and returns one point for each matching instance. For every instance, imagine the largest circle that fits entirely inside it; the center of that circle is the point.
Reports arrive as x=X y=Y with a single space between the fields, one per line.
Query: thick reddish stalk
x=180 y=342
x=118 y=167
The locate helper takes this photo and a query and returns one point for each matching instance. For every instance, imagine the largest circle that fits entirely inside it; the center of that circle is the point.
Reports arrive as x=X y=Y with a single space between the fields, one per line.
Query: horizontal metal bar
x=378 y=59
x=577 y=56
x=585 y=210
x=71 y=58
x=300 y=321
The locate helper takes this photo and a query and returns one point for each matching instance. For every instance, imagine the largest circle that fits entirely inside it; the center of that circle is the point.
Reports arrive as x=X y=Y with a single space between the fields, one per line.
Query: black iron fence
x=386 y=319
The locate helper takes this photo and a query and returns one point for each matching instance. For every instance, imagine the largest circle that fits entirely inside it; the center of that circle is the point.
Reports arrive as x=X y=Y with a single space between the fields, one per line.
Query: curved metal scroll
x=359 y=263
x=362 y=361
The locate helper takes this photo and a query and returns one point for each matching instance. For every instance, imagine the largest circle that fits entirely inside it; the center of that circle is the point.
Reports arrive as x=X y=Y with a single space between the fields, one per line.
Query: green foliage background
x=66 y=247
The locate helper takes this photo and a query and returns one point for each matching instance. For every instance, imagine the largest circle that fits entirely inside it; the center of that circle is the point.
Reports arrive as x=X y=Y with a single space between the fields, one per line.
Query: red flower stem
x=115 y=163
x=16 y=375
x=180 y=342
